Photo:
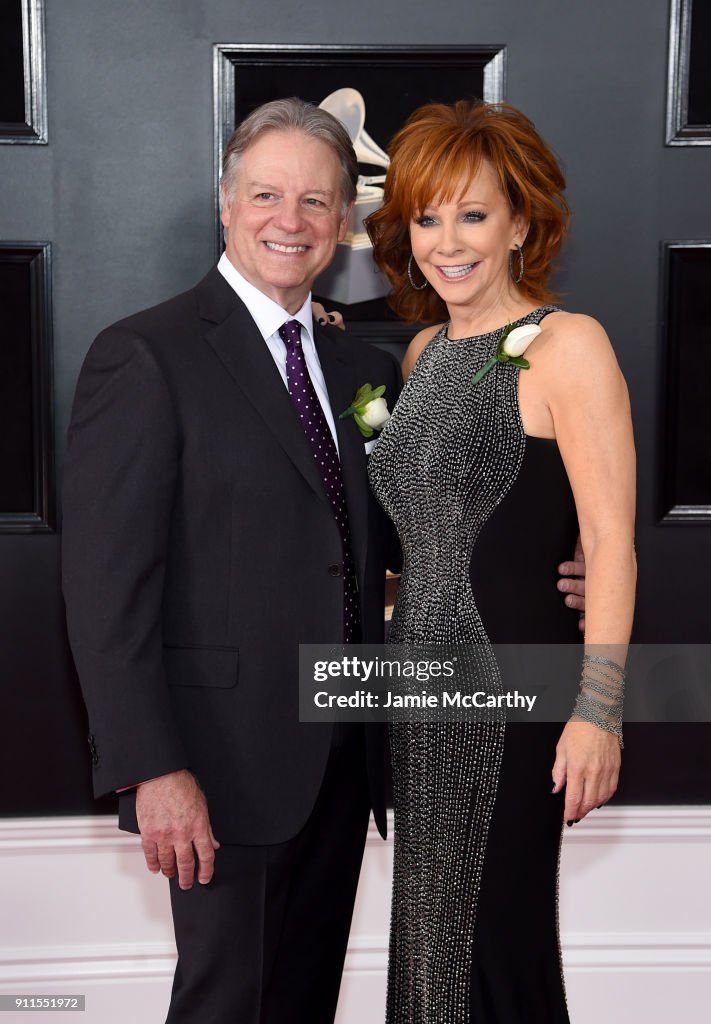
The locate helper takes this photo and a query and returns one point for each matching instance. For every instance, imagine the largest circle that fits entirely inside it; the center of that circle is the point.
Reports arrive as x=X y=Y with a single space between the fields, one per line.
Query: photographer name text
x=445 y=699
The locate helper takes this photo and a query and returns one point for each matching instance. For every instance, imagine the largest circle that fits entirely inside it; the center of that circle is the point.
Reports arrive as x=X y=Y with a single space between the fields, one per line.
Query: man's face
x=286 y=215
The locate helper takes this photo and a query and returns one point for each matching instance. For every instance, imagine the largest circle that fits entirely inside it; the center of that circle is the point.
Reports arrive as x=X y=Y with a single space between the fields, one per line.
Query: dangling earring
x=417 y=287
x=519 y=279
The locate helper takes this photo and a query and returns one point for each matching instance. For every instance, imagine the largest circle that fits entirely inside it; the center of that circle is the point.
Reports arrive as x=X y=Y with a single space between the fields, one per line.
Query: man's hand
x=174 y=823
x=574 y=588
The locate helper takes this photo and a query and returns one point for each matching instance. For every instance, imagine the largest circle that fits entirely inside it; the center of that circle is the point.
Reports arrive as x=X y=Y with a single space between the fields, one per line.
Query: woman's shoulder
x=417 y=346
x=575 y=339
x=573 y=328
x=575 y=354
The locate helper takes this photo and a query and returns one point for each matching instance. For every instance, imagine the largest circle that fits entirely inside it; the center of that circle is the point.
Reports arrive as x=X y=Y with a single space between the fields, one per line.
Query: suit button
x=92 y=748
x=335 y=570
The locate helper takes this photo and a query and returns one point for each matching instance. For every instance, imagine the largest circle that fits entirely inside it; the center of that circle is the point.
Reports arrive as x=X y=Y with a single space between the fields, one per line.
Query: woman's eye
x=424 y=221
x=474 y=216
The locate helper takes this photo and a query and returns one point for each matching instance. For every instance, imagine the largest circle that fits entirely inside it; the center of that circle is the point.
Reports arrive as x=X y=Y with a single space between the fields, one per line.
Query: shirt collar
x=267 y=314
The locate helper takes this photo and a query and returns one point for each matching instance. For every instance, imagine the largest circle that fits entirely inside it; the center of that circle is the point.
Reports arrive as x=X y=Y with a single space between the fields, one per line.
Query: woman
x=486 y=468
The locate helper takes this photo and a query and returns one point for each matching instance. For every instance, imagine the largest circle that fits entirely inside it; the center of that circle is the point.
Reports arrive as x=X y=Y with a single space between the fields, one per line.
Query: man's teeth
x=456 y=271
x=285 y=248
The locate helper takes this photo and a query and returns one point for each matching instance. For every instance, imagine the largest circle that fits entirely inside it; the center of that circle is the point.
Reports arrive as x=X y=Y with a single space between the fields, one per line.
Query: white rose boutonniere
x=369 y=409
x=512 y=344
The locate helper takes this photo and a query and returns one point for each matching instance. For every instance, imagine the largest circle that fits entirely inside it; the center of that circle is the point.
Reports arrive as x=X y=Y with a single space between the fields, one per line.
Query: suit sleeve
x=119 y=485
x=394 y=551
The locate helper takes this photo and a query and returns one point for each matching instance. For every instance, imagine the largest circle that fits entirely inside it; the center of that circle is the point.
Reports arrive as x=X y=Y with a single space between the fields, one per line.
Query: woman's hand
x=588 y=765
x=335 y=319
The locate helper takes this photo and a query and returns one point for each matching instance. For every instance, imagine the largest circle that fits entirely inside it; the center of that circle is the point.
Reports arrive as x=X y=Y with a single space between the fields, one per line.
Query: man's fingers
x=180 y=859
x=572 y=568
x=173 y=819
x=205 y=852
x=150 y=852
x=576 y=587
x=185 y=860
x=166 y=859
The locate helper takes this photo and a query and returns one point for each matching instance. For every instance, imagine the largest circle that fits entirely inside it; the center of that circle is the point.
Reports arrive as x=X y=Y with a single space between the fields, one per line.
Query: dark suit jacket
x=199 y=551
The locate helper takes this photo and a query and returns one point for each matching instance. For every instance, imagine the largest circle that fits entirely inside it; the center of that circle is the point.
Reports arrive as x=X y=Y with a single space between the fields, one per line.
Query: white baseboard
x=80 y=913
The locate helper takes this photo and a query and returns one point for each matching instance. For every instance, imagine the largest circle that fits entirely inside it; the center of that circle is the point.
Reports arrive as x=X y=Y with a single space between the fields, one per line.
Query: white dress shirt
x=269 y=317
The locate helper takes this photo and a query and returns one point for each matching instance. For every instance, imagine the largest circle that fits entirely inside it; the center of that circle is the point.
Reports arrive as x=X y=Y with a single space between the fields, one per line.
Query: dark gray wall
x=124 y=192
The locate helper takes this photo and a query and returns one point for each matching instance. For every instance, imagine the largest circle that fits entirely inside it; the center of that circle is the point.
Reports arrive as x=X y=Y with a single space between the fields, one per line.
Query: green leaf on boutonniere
x=358 y=409
x=365 y=430
x=363 y=396
x=526 y=333
x=488 y=365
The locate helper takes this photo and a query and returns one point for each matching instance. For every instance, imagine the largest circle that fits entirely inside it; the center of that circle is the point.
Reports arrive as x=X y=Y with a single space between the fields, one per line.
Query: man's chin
x=288 y=292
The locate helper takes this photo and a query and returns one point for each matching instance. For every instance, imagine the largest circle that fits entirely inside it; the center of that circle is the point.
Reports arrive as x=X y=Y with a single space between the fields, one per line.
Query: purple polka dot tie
x=324 y=450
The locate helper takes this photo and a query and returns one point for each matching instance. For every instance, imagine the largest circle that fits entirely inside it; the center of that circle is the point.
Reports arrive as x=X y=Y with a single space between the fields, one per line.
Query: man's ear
x=343 y=226
x=226 y=207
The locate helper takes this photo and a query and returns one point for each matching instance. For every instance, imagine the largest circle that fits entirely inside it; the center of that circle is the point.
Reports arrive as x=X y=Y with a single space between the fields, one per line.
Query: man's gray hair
x=292 y=115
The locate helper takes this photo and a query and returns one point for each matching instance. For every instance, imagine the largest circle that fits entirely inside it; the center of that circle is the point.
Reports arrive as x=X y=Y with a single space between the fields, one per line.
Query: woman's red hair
x=439 y=147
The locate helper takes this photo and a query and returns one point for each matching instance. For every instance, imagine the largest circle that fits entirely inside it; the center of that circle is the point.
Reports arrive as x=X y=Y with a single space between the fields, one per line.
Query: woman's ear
x=521 y=226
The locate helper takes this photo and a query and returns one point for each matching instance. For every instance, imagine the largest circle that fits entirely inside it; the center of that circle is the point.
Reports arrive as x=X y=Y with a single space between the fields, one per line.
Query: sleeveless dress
x=484 y=514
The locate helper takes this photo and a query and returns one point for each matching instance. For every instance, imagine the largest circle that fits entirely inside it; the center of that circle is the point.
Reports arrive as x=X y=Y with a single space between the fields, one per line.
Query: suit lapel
x=235 y=339
x=339 y=372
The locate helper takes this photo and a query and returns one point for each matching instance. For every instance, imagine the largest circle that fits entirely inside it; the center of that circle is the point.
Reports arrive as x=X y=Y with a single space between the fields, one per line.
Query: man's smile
x=289 y=249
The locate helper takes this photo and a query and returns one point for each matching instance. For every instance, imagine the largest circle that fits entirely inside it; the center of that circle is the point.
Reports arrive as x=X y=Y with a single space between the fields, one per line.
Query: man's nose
x=290 y=216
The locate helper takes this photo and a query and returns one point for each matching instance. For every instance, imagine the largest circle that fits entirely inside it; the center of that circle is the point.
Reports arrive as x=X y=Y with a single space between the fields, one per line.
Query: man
x=201 y=546
x=216 y=515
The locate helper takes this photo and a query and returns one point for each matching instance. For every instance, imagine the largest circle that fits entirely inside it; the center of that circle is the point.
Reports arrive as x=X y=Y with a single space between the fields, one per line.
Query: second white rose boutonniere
x=512 y=344
x=369 y=409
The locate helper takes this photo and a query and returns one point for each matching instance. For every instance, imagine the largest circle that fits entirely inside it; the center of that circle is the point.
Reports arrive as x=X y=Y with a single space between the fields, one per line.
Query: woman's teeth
x=456 y=271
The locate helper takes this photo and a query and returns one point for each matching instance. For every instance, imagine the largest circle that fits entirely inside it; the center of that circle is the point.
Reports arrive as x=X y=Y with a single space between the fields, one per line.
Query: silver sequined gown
x=484 y=516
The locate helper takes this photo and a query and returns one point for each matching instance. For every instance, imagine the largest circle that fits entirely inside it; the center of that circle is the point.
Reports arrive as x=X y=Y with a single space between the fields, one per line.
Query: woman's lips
x=456 y=273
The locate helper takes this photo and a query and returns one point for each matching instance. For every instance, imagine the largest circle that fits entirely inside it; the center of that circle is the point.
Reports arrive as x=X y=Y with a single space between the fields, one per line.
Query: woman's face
x=462 y=246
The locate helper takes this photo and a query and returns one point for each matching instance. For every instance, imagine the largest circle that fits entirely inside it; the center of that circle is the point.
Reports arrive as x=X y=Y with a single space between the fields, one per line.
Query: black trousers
x=265 y=941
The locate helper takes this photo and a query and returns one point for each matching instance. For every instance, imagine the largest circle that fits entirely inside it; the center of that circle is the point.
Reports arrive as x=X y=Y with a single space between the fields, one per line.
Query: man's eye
x=265 y=195
x=312 y=201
